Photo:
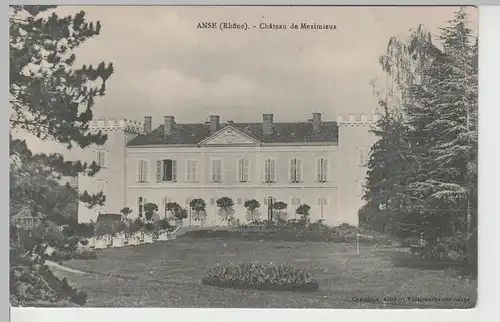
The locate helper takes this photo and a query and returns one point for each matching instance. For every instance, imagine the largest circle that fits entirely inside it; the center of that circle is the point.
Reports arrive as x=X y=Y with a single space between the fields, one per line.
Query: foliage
x=261 y=276
x=279 y=215
x=296 y=231
x=177 y=211
x=422 y=178
x=226 y=211
x=81 y=254
x=135 y=226
x=198 y=204
x=126 y=211
x=252 y=206
x=104 y=228
x=51 y=99
x=304 y=211
x=163 y=224
x=198 y=207
x=279 y=205
x=150 y=210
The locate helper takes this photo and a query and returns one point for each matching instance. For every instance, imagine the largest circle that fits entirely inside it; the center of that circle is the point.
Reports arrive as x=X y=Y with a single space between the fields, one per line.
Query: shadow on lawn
x=404 y=258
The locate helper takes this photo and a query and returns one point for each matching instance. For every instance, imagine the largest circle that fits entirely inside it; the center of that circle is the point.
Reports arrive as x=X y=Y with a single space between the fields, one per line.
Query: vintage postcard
x=243 y=157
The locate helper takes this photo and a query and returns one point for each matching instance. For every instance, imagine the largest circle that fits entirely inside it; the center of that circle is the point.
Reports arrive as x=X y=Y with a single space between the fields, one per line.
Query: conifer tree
x=53 y=100
x=437 y=88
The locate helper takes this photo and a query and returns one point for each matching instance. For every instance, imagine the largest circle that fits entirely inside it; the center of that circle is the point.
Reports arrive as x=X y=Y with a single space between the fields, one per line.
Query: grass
x=169 y=275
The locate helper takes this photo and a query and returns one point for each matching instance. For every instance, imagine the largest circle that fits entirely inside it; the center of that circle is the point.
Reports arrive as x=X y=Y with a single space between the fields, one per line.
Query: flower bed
x=261 y=277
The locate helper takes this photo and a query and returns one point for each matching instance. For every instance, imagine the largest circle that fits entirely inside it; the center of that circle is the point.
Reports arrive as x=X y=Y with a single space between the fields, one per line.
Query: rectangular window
x=216 y=170
x=322 y=170
x=166 y=170
x=322 y=201
x=239 y=201
x=266 y=200
x=101 y=186
x=191 y=170
x=212 y=201
x=101 y=158
x=243 y=170
x=142 y=171
x=296 y=201
x=295 y=170
x=270 y=170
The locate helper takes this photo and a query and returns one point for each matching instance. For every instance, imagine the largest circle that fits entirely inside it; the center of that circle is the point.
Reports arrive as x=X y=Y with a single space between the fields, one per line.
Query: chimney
x=214 y=123
x=267 y=124
x=147 y=124
x=316 y=122
x=169 y=125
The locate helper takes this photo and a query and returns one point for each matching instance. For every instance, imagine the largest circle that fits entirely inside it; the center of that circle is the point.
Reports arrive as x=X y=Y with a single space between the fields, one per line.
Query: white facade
x=327 y=176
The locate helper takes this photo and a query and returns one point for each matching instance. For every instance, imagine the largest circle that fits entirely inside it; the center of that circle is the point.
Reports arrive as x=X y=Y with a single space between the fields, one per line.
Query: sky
x=165 y=65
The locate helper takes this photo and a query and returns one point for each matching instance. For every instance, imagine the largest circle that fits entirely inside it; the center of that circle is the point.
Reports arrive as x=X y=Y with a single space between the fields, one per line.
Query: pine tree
x=451 y=129
x=436 y=97
x=53 y=100
x=385 y=173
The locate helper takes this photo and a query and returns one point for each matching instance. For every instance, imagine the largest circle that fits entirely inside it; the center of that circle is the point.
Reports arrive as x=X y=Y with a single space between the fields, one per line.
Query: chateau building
x=315 y=162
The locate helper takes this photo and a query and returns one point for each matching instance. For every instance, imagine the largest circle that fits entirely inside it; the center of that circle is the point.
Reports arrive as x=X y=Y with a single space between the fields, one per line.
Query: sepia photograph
x=243 y=156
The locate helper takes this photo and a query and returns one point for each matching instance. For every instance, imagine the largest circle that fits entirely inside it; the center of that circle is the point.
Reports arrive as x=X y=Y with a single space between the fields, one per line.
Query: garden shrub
x=198 y=208
x=304 y=212
x=176 y=210
x=226 y=211
x=252 y=214
x=150 y=210
x=261 y=277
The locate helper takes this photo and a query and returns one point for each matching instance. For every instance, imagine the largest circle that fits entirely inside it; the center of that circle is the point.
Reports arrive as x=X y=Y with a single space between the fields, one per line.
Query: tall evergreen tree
x=384 y=179
x=437 y=87
x=53 y=100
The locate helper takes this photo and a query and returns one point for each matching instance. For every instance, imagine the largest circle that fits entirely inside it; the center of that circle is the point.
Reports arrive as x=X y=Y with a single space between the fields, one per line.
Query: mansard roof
x=194 y=133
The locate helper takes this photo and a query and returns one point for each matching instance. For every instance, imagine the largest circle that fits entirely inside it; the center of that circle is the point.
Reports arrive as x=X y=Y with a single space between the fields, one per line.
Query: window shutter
x=273 y=170
x=265 y=170
x=146 y=170
x=174 y=170
x=298 y=170
x=103 y=158
x=291 y=170
x=194 y=170
x=246 y=163
x=240 y=170
x=325 y=169
x=319 y=168
x=158 y=170
x=96 y=156
x=139 y=171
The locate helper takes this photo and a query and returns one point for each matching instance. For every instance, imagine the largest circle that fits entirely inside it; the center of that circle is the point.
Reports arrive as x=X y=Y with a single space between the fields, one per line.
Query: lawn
x=168 y=274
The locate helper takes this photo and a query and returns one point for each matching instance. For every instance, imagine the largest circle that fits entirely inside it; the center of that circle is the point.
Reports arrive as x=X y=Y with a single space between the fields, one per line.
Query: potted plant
x=279 y=206
x=178 y=213
x=226 y=211
x=304 y=212
x=198 y=208
x=135 y=229
x=253 y=213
